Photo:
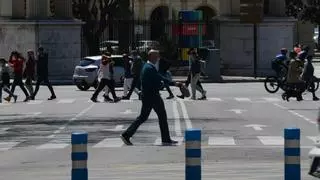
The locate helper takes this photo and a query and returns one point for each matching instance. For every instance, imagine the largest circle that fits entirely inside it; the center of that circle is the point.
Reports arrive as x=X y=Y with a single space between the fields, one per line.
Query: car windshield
x=86 y=62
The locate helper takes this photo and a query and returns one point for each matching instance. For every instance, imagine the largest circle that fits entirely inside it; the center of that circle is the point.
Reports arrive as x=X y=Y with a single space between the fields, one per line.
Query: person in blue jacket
x=151 y=83
x=279 y=61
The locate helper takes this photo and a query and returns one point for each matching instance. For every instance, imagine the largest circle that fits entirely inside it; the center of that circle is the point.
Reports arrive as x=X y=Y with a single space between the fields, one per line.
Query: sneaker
x=170 y=97
x=181 y=96
x=170 y=143
x=126 y=140
x=8 y=99
x=107 y=98
x=94 y=100
x=52 y=98
x=26 y=99
x=116 y=100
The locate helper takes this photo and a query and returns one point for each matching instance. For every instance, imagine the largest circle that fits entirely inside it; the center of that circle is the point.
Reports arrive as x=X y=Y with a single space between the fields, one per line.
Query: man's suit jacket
x=151 y=80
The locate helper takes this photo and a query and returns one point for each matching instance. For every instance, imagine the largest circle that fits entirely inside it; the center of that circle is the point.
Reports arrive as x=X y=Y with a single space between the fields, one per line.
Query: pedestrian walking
x=128 y=77
x=16 y=61
x=164 y=66
x=43 y=74
x=105 y=78
x=195 y=75
x=296 y=85
x=5 y=79
x=136 y=71
x=151 y=82
x=308 y=77
x=29 y=72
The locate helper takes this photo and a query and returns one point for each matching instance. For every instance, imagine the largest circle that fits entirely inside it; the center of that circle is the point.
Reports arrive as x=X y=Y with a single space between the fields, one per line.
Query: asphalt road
x=242 y=135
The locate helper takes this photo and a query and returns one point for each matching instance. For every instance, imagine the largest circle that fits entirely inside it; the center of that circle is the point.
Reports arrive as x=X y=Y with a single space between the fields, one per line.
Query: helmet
x=284 y=51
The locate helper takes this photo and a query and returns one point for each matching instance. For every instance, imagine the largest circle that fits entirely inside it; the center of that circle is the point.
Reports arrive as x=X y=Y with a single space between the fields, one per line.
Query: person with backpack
x=280 y=61
x=5 y=79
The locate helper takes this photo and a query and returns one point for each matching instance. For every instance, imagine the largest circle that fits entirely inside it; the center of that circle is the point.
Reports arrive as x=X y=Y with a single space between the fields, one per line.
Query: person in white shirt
x=105 y=78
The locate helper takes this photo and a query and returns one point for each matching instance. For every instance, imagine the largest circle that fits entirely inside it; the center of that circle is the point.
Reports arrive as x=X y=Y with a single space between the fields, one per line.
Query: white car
x=86 y=73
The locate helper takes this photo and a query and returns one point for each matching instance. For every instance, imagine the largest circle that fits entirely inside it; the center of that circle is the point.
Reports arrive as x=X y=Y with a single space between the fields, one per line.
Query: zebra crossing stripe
x=271 y=140
x=272 y=99
x=221 y=141
x=314 y=139
x=53 y=146
x=243 y=99
x=215 y=99
x=4 y=146
x=35 y=102
x=109 y=143
x=66 y=101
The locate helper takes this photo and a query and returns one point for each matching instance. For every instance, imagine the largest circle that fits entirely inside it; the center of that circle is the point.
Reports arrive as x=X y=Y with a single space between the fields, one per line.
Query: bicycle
x=277 y=83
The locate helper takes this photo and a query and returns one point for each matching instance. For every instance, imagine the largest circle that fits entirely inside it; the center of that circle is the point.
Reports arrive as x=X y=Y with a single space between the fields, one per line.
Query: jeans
x=148 y=103
x=47 y=82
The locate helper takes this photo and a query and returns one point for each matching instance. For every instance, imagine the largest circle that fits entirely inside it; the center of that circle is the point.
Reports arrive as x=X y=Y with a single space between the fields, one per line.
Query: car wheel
x=83 y=86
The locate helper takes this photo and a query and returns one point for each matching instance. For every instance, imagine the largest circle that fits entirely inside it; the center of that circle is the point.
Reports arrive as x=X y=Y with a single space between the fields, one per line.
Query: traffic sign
x=251 y=11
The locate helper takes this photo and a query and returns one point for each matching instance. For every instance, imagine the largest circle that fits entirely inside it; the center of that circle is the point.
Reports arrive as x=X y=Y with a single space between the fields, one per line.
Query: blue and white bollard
x=292 y=154
x=79 y=156
x=193 y=154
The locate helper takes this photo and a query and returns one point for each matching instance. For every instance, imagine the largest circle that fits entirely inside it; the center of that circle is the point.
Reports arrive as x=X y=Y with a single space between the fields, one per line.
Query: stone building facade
x=235 y=40
x=27 y=24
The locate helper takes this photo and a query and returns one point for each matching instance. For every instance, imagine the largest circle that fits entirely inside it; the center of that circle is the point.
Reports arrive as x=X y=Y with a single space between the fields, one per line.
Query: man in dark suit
x=42 y=74
x=151 y=82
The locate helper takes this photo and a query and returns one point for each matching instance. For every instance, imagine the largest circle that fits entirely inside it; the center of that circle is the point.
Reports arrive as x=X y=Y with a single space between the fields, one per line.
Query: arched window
x=266 y=7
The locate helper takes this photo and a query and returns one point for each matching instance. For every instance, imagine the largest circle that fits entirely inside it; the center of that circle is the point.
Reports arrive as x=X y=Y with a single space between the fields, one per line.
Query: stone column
x=12 y=8
x=38 y=9
x=63 y=9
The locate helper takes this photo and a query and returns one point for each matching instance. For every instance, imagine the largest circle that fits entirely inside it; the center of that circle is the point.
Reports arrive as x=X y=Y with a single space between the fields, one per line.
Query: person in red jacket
x=16 y=61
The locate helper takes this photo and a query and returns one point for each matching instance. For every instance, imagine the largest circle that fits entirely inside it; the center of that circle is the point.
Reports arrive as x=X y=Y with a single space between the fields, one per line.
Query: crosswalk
x=208 y=142
x=209 y=99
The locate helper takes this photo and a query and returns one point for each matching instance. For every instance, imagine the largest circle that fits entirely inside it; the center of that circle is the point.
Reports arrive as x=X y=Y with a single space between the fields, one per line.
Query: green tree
x=305 y=10
x=96 y=14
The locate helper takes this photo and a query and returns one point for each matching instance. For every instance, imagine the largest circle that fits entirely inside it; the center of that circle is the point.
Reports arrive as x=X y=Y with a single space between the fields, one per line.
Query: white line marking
x=119 y=127
x=4 y=129
x=282 y=107
x=272 y=99
x=53 y=146
x=314 y=139
x=35 y=102
x=4 y=146
x=177 y=125
x=66 y=101
x=271 y=140
x=70 y=120
x=221 y=141
x=243 y=99
x=185 y=115
x=109 y=142
x=302 y=117
x=215 y=99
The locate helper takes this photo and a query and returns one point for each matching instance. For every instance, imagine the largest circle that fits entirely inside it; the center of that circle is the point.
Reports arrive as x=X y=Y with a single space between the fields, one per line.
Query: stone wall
x=61 y=39
x=237 y=45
